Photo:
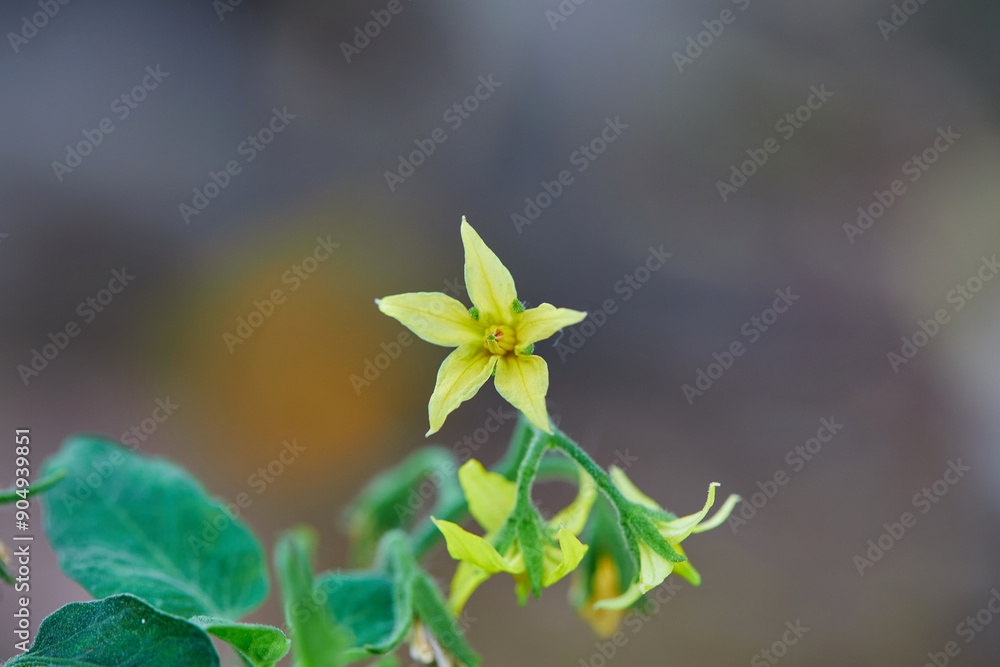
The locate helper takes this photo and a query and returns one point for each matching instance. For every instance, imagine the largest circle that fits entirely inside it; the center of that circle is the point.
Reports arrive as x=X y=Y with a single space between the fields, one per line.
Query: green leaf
x=386 y=661
x=257 y=645
x=363 y=603
x=316 y=640
x=8 y=496
x=120 y=631
x=396 y=497
x=126 y=523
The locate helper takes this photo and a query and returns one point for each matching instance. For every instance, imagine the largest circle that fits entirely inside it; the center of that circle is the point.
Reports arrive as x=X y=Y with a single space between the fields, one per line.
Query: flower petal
x=461 y=375
x=524 y=380
x=653 y=569
x=467 y=579
x=623 y=601
x=464 y=546
x=720 y=516
x=487 y=280
x=574 y=516
x=630 y=490
x=435 y=317
x=490 y=495
x=678 y=529
x=571 y=552
x=543 y=321
x=605 y=584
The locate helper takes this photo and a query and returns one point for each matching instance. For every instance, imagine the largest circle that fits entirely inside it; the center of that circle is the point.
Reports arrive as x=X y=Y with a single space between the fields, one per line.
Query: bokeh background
x=323 y=176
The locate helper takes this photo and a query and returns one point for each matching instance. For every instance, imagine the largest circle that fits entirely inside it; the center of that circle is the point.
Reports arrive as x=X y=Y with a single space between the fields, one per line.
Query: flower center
x=500 y=340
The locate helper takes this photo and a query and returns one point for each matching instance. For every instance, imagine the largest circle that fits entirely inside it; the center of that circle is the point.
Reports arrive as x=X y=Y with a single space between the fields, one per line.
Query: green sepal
x=646 y=531
x=119 y=630
x=126 y=523
x=517 y=307
x=256 y=645
x=529 y=538
x=316 y=640
x=474 y=313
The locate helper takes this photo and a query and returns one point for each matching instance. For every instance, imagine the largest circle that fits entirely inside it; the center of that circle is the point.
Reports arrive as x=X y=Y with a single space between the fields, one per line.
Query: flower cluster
x=635 y=543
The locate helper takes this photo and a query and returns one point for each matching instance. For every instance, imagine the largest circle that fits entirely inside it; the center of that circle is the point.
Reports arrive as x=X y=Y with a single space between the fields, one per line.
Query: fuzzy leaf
x=120 y=631
x=316 y=641
x=125 y=523
x=362 y=603
x=257 y=645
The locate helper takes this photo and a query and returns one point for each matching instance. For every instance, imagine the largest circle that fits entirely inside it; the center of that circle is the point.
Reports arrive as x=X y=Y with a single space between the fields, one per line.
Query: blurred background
x=309 y=115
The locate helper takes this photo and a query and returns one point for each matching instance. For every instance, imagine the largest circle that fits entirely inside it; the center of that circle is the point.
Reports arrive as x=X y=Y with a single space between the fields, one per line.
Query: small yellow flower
x=491 y=499
x=496 y=336
x=654 y=568
x=605 y=584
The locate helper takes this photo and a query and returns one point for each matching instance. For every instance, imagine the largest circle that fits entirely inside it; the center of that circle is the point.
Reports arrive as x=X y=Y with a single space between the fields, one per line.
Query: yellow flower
x=496 y=336
x=654 y=568
x=605 y=584
x=491 y=499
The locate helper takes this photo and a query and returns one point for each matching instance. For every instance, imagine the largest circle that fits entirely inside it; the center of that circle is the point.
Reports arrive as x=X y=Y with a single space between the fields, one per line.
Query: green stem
x=12 y=495
x=529 y=469
x=596 y=472
x=427 y=536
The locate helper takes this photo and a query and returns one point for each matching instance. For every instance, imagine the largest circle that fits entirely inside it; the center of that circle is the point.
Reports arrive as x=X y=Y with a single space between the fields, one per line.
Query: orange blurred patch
x=290 y=377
